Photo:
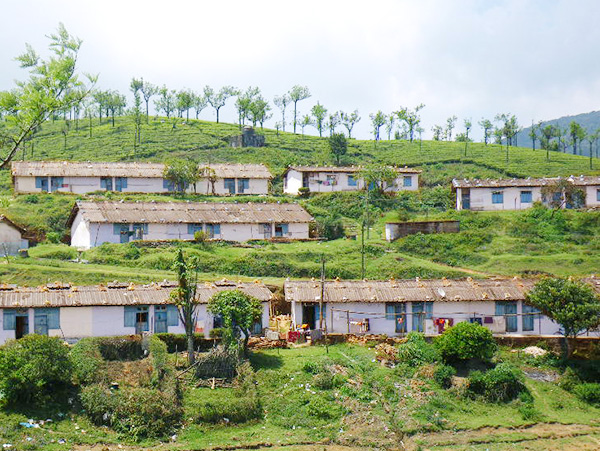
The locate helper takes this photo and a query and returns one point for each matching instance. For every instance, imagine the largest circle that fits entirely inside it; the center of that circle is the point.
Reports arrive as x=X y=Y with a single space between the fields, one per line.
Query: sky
x=536 y=59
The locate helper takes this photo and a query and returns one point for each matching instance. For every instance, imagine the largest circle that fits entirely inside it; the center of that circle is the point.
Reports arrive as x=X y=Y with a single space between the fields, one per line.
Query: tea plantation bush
x=416 y=351
x=87 y=361
x=34 y=370
x=443 y=375
x=501 y=384
x=589 y=392
x=466 y=341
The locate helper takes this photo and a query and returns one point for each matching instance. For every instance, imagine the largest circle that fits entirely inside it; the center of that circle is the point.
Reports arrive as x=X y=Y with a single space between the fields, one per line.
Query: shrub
x=99 y=403
x=34 y=370
x=589 y=392
x=569 y=380
x=466 y=341
x=220 y=362
x=311 y=367
x=416 y=351
x=87 y=361
x=178 y=342
x=501 y=384
x=304 y=192
x=330 y=227
x=121 y=348
x=159 y=356
x=200 y=237
x=54 y=251
x=235 y=410
x=53 y=237
x=324 y=380
x=443 y=375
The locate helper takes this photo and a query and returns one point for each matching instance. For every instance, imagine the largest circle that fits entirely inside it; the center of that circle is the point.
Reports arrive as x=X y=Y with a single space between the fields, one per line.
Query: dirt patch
x=539 y=375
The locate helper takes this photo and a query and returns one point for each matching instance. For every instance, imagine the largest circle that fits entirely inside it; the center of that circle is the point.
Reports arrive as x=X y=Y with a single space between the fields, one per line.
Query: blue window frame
x=45 y=319
x=56 y=183
x=229 y=185
x=139 y=230
x=526 y=197
x=420 y=312
x=497 y=197
x=172 y=315
x=397 y=312
x=318 y=315
x=106 y=183
x=281 y=229
x=137 y=316
x=530 y=314
x=213 y=230
x=598 y=195
x=9 y=319
x=193 y=228
x=168 y=185
x=243 y=185
x=41 y=183
x=352 y=181
x=407 y=181
x=508 y=309
x=120 y=183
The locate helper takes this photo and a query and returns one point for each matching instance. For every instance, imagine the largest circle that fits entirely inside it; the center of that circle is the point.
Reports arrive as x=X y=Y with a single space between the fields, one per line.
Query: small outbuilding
x=11 y=237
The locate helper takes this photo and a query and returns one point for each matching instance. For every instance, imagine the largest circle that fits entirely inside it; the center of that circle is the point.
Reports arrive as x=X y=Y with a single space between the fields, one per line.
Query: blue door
x=160 y=319
x=41 y=325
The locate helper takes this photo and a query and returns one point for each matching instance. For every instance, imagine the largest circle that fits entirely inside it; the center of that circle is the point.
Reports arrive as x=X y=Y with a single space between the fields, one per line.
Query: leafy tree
x=184 y=100
x=101 y=98
x=297 y=94
x=533 y=132
x=217 y=100
x=487 y=126
x=466 y=341
x=305 y=122
x=135 y=87
x=282 y=102
x=199 y=103
x=450 y=124
x=577 y=134
x=572 y=304
x=259 y=111
x=239 y=312
x=166 y=101
x=319 y=113
x=243 y=103
x=333 y=121
x=438 y=132
x=561 y=193
x=548 y=133
x=181 y=174
x=338 y=146
x=349 y=120
x=115 y=104
x=148 y=90
x=468 y=125
x=389 y=125
x=410 y=118
x=185 y=298
x=377 y=121
x=378 y=176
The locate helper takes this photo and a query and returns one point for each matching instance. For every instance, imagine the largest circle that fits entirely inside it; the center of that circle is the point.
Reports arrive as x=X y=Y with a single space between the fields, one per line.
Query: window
x=139 y=230
x=243 y=185
x=229 y=185
x=420 y=312
x=397 y=312
x=330 y=180
x=106 y=183
x=17 y=320
x=508 y=309
x=168 y=185
x=497 y=197
x=530 y=314
x=526 y=197
x=123 y=231
x=41 y=183
x=45 y=319
x=266 y=230
x=598 y=195
x=137 y=316
x=318 y=315
x=9 y=319
x=56 y=183
x=352 y=181
x=120 y=183
x=193 y=228
x=164 y=317
x=407 y=181
x=281 y=229
x=213 y=230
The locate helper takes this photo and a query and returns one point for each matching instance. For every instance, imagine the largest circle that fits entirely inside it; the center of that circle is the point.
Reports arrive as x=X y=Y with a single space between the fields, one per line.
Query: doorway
x=21 y=325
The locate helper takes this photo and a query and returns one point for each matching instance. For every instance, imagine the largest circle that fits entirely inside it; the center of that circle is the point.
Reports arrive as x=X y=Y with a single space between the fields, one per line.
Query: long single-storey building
x=73 y=312
x=519 y=194
x=94 y=223
x=11 y=237
x=395 y=307
x=134 y=177
x=327 y=179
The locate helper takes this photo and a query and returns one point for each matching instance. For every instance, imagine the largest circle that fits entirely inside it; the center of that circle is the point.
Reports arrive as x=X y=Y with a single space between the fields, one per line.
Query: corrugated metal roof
x=413 y=290
x=518 y=183
x=404 y=170
x=72 y=296
x=128 y=169
x=190 y=212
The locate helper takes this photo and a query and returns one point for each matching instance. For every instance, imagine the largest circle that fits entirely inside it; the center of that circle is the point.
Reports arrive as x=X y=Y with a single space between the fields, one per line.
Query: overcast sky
x=537 y=59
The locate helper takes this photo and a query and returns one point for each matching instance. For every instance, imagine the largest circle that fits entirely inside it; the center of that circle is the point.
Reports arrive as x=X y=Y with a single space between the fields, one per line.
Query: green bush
x=87 y=361
x=54 y=251
x=466 y=341
x=311 y=367
x=220 y=362
x=34 y=370
x=569 y=379
x=501 y=384
x=443 y=375
x=121 y=348
x=235 y=410
x=159 y=357
x=588 y=392
x=53 y=237
x=178 y=342
x=416 y=351
x=99 y=403
x=324 y=380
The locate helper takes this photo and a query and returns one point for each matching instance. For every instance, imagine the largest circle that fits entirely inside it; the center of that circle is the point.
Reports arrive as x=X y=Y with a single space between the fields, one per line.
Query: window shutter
x=165 y=184
x=53 y=315
x=145 y=229
x=38 y=182
x=390 y=311
x=217 y=229
x=499 y=308
x=284 y=228
x=130 y=316
x=9 y=320
x=191 y=229
x=123 y=182
x=117 y=229
x=172 y=315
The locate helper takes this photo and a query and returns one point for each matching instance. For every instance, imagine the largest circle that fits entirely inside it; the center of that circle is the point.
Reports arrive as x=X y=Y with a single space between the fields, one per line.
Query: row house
x=519 y=194
x=396 y=307
x=75 y=312
x=134 y=177
x=94 y=223
x=327 y=179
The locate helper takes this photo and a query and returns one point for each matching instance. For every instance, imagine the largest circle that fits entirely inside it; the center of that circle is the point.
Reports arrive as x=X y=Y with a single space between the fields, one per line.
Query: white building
x=94 y=223
x=72 y=312
x=519 y=194
x=11 y=237
x=396 y=307
x=81 y=178
x=325 y=179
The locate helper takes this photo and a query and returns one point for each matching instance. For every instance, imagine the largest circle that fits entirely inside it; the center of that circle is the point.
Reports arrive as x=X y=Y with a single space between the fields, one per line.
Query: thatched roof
x=413 y=290
x=189 y=212
x=66 y=295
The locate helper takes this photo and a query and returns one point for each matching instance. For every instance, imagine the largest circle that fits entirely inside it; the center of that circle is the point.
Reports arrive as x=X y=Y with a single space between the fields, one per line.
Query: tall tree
x=450 y=124
x=181 y=174
x=166 y=101
x=218 y=99
x=533 y=132
x=438 y=131
x=333 y=120
x=547 y=134
x=115 y=103
x=468 y=125
x=319 y=112
x=186 y=300
x=282 y=102
x=297 y=94
x=572 y=304
x=349 y=120
x=148 y=90
x=390 y=121
x=305 y=122
x=488 y=127
x=377 y=121
x=338 y=146
x=53 y=85
x=410 y=118
x=199 y=103
x=259 y=111
x=243 y=103
x=577 y=134
x=184 y=101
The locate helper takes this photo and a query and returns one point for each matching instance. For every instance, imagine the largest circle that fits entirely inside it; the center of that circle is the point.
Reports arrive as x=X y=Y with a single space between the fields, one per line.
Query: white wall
x=481 y=198
x=10 y=239
x=591 y=196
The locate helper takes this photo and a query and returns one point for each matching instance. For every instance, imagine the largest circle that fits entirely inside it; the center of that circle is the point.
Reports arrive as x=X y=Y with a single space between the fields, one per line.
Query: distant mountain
x=589 y=121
